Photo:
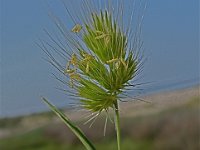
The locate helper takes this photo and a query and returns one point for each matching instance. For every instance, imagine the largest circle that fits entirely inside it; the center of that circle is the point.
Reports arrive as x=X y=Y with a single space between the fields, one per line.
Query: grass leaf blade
x=73 y=128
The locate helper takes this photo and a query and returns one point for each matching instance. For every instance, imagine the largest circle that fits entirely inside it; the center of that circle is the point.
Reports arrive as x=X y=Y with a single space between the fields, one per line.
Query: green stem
x=117 y=125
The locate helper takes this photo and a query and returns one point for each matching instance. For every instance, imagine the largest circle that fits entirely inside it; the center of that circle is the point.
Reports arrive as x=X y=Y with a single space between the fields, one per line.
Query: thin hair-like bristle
x=101 y=55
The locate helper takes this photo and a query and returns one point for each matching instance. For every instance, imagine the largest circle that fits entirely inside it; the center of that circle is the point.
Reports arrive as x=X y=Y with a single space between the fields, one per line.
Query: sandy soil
x=159 y=101
x=156 y=102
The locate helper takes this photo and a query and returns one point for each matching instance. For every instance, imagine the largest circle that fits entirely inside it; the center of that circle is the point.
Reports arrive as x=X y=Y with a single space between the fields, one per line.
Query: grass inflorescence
x=101 y=54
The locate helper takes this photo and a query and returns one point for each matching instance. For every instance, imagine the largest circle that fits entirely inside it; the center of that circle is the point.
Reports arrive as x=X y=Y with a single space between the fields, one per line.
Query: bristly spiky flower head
x=102 y=74
x=102 y=57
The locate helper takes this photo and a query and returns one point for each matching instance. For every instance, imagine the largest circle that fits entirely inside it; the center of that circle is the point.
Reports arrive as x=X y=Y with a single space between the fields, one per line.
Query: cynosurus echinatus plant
x=99 y=57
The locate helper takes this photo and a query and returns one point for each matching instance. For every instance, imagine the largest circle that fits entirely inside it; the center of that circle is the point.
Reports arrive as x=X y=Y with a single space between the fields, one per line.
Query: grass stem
x=117 y=125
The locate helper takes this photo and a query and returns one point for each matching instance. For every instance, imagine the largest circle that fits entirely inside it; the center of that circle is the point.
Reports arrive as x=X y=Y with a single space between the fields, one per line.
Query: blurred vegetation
x=16 y=121
x=172 y=129
x=8 y=122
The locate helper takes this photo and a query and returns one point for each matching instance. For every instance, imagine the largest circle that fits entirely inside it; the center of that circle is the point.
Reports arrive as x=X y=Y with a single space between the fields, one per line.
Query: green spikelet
x=105 y=72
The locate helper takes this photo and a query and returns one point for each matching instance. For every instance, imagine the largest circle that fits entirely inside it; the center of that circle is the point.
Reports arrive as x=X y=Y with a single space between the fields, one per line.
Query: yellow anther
x=114 y=60
x=107 y=40
x=99 y=32
x=83 y=53
x=124 y=63
x=74 y=76
x=69 y=71
x=87 y=67
x=87 y=59
x=101 y=36
x=117 y=64
x=73 y=60
x=77 y=28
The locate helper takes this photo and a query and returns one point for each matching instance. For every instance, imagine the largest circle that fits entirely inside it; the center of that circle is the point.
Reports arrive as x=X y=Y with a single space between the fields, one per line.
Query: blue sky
x=170 y=35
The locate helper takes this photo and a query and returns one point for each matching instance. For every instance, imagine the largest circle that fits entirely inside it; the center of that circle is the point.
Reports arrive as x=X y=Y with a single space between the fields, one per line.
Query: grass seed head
x=102 y=56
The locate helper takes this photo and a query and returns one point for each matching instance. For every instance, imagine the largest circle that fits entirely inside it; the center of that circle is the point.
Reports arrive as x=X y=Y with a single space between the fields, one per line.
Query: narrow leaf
x=72 y=127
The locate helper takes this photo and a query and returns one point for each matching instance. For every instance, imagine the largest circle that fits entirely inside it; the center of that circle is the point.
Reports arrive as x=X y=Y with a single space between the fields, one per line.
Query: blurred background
x=170 y=121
